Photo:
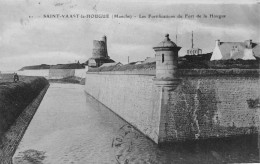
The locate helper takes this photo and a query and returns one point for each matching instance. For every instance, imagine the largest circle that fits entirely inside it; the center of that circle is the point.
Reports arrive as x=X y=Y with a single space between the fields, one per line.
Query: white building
x=236 y=50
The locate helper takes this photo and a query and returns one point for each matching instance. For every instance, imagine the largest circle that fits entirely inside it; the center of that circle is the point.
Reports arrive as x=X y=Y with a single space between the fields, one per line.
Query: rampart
x=54 y=73
x=61 y=73
x=205 y=104
x=41 y=72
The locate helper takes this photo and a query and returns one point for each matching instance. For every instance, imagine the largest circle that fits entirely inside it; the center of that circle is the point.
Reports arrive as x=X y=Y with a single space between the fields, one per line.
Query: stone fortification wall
x=42 y=72
x=61 y=73
x=54 y=73
x=200 y=107
x=211 y=106
x=81 y=73
x=132 y=97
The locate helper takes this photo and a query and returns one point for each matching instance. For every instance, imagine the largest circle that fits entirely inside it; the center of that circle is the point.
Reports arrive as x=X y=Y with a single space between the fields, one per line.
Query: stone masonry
x=200 y=107
x=177 y=105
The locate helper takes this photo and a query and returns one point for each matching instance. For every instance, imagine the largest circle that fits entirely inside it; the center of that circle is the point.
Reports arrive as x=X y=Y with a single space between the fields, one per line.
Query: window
x=162 y=58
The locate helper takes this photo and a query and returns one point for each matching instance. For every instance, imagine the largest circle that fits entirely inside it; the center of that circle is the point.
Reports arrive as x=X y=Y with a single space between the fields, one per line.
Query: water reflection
x=130 y=146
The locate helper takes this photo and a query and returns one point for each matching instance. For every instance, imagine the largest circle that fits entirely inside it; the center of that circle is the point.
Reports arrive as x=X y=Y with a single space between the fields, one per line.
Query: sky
x=28 y=38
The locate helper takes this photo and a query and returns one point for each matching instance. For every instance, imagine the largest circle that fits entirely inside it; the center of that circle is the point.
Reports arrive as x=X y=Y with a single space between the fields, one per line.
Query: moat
x=71 y=127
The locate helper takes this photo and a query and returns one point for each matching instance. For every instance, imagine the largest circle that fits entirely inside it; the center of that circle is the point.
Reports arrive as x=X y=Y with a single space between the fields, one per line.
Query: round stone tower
x=166 y=59
x=100 y=48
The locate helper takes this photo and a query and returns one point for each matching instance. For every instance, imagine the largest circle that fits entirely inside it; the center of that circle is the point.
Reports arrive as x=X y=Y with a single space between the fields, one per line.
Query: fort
x=99 y=54
x=169 y=104
x=171 y=101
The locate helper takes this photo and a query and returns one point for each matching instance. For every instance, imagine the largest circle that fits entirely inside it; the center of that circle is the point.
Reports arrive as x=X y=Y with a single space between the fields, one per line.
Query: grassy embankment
x=58 y=66
x=220 y=64
x=14 y=97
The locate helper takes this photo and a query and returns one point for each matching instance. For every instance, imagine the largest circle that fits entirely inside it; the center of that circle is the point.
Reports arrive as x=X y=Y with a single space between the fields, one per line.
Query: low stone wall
x=202 y=106
x=61 y=73
x=54 y=73
x=80 y=73
x=43 y=73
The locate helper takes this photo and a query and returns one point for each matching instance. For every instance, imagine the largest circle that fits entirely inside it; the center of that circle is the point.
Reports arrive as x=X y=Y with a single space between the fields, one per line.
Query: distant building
x=99 y=54
x=236 y=50
x=193 y=51
x=150 y=60
x=195 y=54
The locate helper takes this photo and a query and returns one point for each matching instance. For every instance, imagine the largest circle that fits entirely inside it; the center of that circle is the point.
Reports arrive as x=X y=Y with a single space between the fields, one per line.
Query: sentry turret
x=166 y=59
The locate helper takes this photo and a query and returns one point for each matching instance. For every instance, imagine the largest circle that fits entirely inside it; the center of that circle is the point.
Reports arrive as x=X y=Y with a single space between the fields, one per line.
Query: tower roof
x=166 y=42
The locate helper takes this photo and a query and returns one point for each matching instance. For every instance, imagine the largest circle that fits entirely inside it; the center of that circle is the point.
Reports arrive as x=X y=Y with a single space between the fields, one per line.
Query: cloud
x=26 y=41
x=243 y=31
x=168 y=2
x=120 y=52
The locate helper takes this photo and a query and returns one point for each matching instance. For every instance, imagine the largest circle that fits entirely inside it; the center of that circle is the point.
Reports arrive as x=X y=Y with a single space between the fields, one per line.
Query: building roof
x=194 y=49
x=237 y=49
x=111 y=64
x=166 y=42
x=149 y=60
x=256 y=50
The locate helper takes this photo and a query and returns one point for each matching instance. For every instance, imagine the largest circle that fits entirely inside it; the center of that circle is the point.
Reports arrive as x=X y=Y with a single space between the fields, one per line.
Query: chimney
x=104 y=38
x=248 y=43
x=217 y=42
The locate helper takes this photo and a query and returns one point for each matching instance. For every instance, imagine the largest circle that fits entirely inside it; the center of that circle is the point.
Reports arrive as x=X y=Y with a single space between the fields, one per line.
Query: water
x=72 y=127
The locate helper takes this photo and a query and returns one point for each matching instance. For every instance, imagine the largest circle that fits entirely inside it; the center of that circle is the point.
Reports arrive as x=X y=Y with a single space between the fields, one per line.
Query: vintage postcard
x=129 y=81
